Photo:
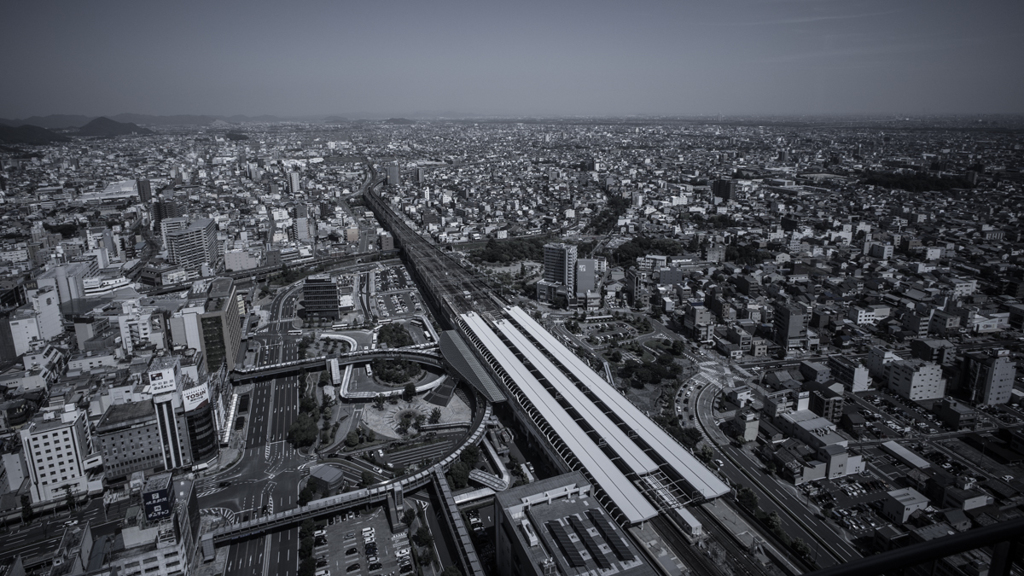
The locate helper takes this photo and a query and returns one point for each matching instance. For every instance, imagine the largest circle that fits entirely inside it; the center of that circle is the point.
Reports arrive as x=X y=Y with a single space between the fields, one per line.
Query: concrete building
x=916 y=380
x=790 y=324
x=989 y=376
x=193 y=246
x=853 y=374
x=129 y=440
x=535 y=525
x=320 y=297
x=56 y=445
x=160 y=537
x=900 y=504
x=559 y=273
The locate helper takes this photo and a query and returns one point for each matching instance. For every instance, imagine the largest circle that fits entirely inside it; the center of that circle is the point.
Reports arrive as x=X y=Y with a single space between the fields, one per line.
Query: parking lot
x=361 y=543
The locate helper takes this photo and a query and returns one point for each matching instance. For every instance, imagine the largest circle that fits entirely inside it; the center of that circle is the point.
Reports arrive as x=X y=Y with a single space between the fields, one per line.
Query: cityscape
x=629 y=326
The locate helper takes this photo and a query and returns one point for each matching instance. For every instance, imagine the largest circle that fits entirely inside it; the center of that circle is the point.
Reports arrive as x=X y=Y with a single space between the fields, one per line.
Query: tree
x=746 y=497
x=690 y=436
x=471 y=455
x=801 y=549
x=305 y=495
x=409 y=392
x=303 y=432
x=408 y=516
x=352 y=439
x=378 y=401
x=307 y=567
x=773 y=522
x=459 y=474
x=422 y=537
x=435 y=415
x=366 y=479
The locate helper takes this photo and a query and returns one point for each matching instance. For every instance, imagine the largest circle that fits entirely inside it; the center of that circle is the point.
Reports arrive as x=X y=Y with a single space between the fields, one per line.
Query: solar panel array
x=590 y=543
x=562 y=537
x=605 y=528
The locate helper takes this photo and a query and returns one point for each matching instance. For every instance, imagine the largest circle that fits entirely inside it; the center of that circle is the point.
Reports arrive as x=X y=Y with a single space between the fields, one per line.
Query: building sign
x=195 y=397
x=158 y=503
x=162 y=381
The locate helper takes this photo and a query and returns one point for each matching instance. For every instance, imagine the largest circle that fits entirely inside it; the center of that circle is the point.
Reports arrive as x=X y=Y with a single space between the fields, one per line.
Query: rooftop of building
x=120 y=415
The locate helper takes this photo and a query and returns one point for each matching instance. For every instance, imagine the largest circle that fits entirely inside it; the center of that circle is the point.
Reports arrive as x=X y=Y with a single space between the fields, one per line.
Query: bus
x=295 y=332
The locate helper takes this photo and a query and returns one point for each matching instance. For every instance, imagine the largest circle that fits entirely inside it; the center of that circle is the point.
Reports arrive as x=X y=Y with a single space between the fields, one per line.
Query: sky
x=512 y=58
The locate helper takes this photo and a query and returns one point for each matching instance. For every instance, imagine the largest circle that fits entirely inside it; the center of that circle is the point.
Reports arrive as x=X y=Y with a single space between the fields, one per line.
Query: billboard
x=158 y=503
x=195 y=397
x=162 y=381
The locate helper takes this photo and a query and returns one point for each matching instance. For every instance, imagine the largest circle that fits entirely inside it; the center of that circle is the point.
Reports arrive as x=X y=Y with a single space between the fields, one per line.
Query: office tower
x=194 y=245
x=394 y=175
x=145 y=190
x=320 y=297
x=165 y=377
x=161 y=535
x=989 y=375
x=220 y=324
x=724 y=189
x=304 y=227
x=420 y=175
x=387 y=241
x=560 y=264
x=56 y=445
x=586 y=275
x=293 y=183
x=167 y=206
x=129 y=440
x=790 y=326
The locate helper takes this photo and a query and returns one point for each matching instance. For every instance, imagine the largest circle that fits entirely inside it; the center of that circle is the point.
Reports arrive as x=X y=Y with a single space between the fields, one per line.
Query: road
x=741 y=469
x=266 y=479
x=43 y=535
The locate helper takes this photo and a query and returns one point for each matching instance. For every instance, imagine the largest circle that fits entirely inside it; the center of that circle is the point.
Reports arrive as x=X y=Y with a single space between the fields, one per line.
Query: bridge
x=421 y=355
x=333 y=504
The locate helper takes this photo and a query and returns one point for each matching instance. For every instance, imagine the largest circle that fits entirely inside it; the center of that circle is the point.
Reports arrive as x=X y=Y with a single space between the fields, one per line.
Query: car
x=1008 y=478
x=324 y=572
x=372 y=558
x=405 y=568
x=719 y=463
x=375 y=566
x=224 y=483
x=353 y=567
x=351 y=551
x=71 y=522
x=321 y=562
x=402 y=553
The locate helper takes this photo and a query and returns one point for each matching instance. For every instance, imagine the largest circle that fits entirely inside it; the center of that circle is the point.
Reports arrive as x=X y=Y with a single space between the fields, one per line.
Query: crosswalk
x=222 y=512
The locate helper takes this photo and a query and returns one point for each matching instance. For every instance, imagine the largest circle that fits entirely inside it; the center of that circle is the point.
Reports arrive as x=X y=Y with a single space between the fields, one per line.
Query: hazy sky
x=394 y=57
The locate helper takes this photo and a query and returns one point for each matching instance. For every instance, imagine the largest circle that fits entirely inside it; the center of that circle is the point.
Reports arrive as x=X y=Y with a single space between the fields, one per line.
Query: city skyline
x=526 y=59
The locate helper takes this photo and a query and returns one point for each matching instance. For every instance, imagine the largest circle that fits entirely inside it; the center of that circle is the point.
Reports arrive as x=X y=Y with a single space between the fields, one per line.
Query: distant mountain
x=51 y=122
x=28 y=134
x=336 y=120
x=104 y=126
x=399 y=121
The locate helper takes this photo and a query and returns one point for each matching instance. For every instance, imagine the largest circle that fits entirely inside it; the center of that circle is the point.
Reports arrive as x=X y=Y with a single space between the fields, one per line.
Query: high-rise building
x=320 y=297
x=790 y=326
x=221 y=325
x=169 y=225
x=724 y=189
x=145 y=190
x=989 y=375
x=193 y=246
x=167 y=206
x=394 y=175
x=165 y=378
x=294 y=183
x=129 y=440
x=56 y=445
x=560 y=264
